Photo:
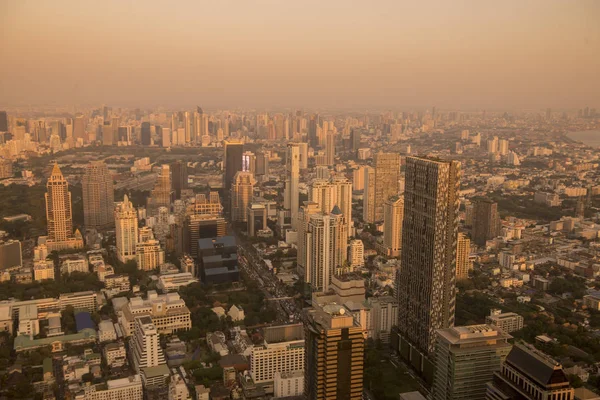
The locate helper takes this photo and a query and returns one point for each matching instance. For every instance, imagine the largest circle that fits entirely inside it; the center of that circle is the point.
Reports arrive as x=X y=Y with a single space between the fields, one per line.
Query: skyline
x=463 y=54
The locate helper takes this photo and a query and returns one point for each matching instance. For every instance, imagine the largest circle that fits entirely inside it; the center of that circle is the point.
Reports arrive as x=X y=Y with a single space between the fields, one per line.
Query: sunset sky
x=469 y=54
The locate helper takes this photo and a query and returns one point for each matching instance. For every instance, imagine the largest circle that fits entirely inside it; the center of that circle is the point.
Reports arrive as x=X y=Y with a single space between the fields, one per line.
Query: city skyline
x=464 y=54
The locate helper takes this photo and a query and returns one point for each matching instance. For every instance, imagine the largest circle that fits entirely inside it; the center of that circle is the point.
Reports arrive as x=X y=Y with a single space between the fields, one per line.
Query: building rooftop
x=538 y=366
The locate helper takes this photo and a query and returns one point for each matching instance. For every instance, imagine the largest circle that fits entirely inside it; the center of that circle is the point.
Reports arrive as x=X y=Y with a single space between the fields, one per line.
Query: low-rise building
x=507 y=322
x=168 y=312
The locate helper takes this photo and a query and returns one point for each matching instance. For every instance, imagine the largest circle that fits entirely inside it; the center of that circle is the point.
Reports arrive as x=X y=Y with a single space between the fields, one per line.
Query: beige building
x=59 y=214
x=43 y=269
x=161 y=195
x=168 y=312
x=307 y=209
x=126 y=230
x=129 y=388
x=393 y=213
x=381 y=185
x=98 y=196
x=148 y=254
x=463 y=260
x=356 y=255
x=292 y=194
x=507 y=322
x=242 y=190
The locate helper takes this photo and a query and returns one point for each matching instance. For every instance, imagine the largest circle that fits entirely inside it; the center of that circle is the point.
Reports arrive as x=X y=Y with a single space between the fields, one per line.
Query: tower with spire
x=59 y=214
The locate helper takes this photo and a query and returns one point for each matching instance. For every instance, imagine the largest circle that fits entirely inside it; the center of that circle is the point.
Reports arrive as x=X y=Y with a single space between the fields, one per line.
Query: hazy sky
x=474 y=54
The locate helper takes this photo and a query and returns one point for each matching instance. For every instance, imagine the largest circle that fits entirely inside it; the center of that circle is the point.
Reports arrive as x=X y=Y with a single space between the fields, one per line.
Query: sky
x=452 y=54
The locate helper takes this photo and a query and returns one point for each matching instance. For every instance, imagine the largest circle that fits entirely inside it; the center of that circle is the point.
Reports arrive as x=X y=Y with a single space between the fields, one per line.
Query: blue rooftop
x=83 y=320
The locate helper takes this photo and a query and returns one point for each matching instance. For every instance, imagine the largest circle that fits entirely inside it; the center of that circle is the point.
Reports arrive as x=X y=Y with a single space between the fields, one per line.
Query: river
x=590 y=138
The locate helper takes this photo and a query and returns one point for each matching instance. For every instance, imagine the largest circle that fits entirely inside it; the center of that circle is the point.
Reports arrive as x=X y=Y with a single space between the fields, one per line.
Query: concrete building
x=356 y=254
x=148 y=254
x=232 y=161
x=466 y=359
x=42 y=270
x=98 y=196
x=507 y=322
x=126 y=230
x=486 y=221
x=463 y=260
x=10 y=254
x=426 y=282
x=334 y=355
x=384 y=312
x=147 y=355
x=168 y=313
x=381 y=185
x=292 y=169
x=393 y=213
x=529 y=374
x=242 y=189
x=73 y=263
x=257 y=218
x=59 y=214
x=282 y=351
x=217 y=260
x=129 y=388
x=162 y=194
x=288 y=384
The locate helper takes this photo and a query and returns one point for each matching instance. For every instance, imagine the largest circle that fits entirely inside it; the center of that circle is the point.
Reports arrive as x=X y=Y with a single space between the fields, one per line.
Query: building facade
x=126 y=230
x=98 y=196
x=393 y=213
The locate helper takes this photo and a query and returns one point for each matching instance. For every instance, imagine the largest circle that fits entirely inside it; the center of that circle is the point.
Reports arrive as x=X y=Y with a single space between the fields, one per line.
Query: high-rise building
x=426 y=282
x=313 y=126
x=330 y=148
x=528 y=374
x=331 y=193
x=380 y=184
x=161 y=194
x=393 y=214
x=466 y=359
x=98 y=196
x=148 y=253
x=356 y=254
x=10 y=254
x=3 y=121
x=179 y=177
x=486 y=221
x=307 y=209
x=202 y=226
x=146 y=134
x=148 y=357
x=334 y=355
x=126 y=230
x=241 y=195
x=326 y=248
x=262 y=163
x=463 y=261
x=79 y=128
x=354 y=139
x=232 y=162
x=292 y=194
x=59 y=214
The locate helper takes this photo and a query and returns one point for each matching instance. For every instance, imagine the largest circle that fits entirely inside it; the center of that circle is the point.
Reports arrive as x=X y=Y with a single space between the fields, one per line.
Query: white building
x=106 y=331
x=129 y=388
x=43 y=269
x=356 y=255
x=507 y=322
x=236 y=313
x=384 y=311
x=126 y=230
x=178 y=389
x=287 y=384
x=168 y=311
x=72 y=264
x=115 y=355
x=172 y=282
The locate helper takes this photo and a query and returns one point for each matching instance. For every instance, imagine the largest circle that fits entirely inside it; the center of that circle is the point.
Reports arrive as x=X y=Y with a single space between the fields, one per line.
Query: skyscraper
x=3 y=121
x=326 y=248
x=59 y=214
x=426 y=282
x=307 y=209
x=79 y=128
x=330 y=148
x=179 y=177
x=232 y=161
x=161 y=194
x=292 y=195
x=486 y=221
x=145 y=350
x=241 y=195
x=463 y=262
x=382 y=186
x=329 y=193
x=354 y=139
x=466 y=359
x=146 y=135
x=528 y=374
x=334 y=355
x=393 y=214
x=313 y=125
x=126 y=230
x=98 y=196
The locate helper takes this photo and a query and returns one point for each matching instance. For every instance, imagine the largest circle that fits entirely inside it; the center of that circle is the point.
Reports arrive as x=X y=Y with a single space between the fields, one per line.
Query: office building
x=307 y=209
x=358 y=179
x=325 y=248
x=232 y=162
x=80 y=301
x=129 y=388
x=202 y=226
x=356 y=254
x=529 y=374
x=393 y=214
x=313 y=126
x=330 y=148
x=355 y=139
x=463 y=260
x=334 y=192
x=146 y=353
x=217 y=259
x=168 y=312
x=161 y=195
x=282 y=351
x=146 y=134
x=426 y=282
x=203 y=205
x=242 y=190
x=126 y=230
x=288 y=384
x=507 y=322
x=384 y=314
x=98 y=196
x=59 y=214
x=179 y=178
x=380 y=184
x=486 y=221
x=42 y=270
x=292 y=169
x=466 y=359
x=257 y=218
x=334 y=355
x=148 y=253
x=3 y=121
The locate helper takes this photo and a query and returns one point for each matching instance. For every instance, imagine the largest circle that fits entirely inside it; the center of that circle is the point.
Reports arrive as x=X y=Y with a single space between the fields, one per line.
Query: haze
x=329 y=53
